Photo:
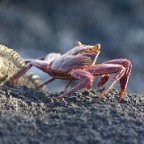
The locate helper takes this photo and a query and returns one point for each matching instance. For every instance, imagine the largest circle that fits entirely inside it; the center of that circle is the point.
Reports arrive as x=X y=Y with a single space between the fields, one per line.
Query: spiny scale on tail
x=10 y=64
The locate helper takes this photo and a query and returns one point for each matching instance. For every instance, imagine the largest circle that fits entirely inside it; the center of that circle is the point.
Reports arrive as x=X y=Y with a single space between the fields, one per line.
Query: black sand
x=28 y=116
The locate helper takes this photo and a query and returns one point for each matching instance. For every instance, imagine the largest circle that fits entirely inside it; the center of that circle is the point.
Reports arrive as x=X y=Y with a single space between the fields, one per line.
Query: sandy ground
x=28 y=116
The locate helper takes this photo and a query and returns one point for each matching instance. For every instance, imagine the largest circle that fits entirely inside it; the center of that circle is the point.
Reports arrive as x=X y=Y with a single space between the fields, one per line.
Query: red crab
x=79 y=64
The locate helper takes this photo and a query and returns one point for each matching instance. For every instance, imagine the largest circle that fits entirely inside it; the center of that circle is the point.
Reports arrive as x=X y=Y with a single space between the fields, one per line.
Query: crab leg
x=124 y=80
x=103 y=80
x=46 y=82
x=68 y=85
x=52 y=79
x=43 y=65
x=86 y=79
x=101 y=69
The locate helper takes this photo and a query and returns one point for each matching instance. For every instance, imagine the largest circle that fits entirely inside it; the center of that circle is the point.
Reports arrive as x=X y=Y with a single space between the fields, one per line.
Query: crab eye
x=96 y=47
x=78 y=43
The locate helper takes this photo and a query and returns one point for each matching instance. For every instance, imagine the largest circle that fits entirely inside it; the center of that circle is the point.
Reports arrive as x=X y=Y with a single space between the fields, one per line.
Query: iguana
x=10 y=64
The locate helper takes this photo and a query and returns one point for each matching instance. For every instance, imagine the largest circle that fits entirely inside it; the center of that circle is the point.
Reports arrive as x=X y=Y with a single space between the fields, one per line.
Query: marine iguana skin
x=10 y=64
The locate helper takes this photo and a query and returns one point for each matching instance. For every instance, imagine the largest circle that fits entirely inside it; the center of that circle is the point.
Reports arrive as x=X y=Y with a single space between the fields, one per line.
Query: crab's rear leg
x=86 y=80
x=103 y=69
x=124 y=80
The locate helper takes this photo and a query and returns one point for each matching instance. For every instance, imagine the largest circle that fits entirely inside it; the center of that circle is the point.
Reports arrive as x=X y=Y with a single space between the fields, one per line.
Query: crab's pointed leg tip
x=14 y=81
x=101 y=96
x=122 y=92
x=78 y=43
x=119 y=99
x=56 y=100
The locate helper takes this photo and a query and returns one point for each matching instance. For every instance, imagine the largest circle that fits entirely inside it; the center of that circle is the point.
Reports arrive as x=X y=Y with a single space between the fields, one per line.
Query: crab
x=80 y=64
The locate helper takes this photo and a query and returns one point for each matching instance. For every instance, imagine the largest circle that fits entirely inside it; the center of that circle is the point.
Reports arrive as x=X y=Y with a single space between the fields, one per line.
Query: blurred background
x=35 y=28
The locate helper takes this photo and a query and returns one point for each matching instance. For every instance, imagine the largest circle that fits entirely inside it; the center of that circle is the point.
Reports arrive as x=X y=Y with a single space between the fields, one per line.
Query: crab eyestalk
x=96 y=48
